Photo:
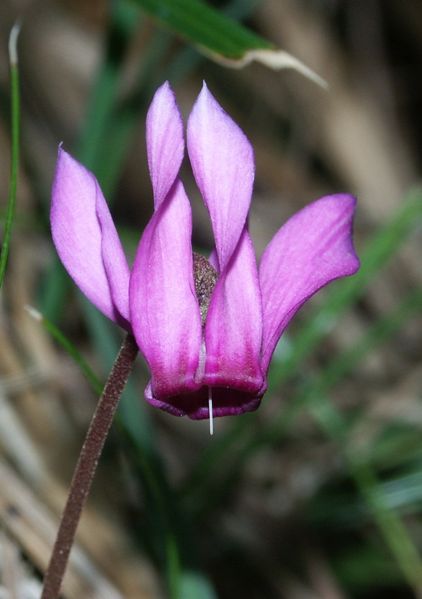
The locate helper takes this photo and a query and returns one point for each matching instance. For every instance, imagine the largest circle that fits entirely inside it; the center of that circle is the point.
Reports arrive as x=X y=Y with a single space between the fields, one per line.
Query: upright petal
x=223 y=166
x=165 y=143
x=81 y=241
x=233 y=332
x=164 y=311
x=313 y=248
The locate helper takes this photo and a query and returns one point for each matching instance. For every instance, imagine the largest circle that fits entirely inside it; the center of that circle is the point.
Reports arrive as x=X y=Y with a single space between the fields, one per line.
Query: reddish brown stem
x=86 y=467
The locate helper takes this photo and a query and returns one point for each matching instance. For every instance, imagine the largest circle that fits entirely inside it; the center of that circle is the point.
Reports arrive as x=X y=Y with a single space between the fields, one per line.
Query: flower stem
x=87 y=465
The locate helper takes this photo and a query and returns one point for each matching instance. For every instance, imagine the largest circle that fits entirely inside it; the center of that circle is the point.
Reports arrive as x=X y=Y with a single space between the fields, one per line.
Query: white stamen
x=210 y=411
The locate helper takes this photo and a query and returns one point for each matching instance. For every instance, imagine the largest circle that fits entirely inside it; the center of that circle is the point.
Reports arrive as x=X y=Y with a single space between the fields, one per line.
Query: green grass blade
x=195 y=586
x=387 y=520
x=124 y=18
x=69 y=348
x=375 y=336
x=14 y=158
x=205 y=26
x=220 y=37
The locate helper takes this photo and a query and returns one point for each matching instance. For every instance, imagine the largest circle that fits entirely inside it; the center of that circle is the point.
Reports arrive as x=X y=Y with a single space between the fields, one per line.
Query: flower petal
x=233 y=331
x=164 y=310
x=313 y=248
x=165 y=143
x=223 y=166
x=213 y=260
x=81 y=241
x=114 y=259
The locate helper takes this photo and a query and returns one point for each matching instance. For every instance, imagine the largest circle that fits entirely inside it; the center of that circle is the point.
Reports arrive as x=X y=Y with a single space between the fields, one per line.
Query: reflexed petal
x=165 y=143
x=223 y=165
x=233 y=332
x=313 y=248
x=164 y=310
x=114 y=259
x=79 y=238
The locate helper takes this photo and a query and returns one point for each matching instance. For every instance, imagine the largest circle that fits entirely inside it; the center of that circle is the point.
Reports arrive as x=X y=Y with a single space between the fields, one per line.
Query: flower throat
x=205 y=277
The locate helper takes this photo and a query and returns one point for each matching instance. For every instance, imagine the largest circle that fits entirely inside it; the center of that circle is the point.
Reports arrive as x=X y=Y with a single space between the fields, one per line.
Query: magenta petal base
x=226 y=402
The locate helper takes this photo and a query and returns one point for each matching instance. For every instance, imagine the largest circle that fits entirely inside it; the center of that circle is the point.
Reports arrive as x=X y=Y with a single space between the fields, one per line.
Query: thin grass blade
x=14 y=159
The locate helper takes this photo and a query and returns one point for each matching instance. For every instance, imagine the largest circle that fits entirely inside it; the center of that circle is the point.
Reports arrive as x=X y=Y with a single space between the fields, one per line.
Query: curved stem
x=86 y=467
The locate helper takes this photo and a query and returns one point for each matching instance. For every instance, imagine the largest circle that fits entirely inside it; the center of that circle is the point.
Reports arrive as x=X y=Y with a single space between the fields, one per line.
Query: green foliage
x=201 y=25
x=194 y=585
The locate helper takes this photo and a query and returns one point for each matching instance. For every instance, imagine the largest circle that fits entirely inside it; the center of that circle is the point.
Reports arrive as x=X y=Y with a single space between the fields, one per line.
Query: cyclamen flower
x=207 y=328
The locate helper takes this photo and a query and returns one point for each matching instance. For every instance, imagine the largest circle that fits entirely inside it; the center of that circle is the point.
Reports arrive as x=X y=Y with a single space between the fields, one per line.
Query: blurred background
x=319 y=493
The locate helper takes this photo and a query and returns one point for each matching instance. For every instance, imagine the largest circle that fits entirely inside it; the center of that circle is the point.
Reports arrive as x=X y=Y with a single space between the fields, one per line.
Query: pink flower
x=205 y=331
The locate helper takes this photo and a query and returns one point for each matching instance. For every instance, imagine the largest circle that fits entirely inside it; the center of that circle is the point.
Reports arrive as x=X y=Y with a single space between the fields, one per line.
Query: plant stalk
x=87 y=465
